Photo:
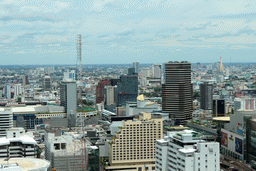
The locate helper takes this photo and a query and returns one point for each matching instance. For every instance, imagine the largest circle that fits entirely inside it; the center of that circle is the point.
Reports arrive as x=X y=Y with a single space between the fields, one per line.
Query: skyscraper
x=136 y=65
x=17 y=90
x=25 y=80
x=157 y=69
x=100 y=90
x=47 y=83
x=127 y=88
x=68 y=99
x=206 y=92
x=7 y=91
x=177 y=91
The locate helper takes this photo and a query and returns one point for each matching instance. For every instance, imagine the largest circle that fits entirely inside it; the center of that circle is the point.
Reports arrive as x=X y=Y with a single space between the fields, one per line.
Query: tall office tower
x=136 y=65
x=134 y=145
x=186 y=151
x=68 y=99
x=47 y=83
x=127 y=88
x=7 y=91
x=100 y=90
x=157 y=69
x=206 y=94
x=17 y=90
x=25 y=80
x=6 y=121
x=218 y=107
x=110 y=95
x=177 y=91
x=145 y=72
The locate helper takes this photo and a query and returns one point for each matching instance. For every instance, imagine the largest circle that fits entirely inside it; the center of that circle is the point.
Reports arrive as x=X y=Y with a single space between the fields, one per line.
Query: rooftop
x=27 y=164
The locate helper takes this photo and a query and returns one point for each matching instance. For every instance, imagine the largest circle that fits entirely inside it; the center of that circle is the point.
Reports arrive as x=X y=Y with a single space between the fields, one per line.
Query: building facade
x=157 y=71
x=177 y=91
x=136 y=66
x=206 y=93
x=127 y=88
x=68 y=99
x=6 y=122
x=17 y=144
x=47 y=83
x=7 y=91
x=185 y=151
x=134 y=144
x=100 y=90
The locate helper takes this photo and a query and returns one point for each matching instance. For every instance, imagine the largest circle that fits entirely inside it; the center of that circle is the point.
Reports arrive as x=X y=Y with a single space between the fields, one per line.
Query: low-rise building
x=17 y=144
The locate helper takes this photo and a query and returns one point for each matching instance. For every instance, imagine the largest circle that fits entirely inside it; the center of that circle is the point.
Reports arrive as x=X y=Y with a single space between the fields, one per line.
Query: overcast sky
x=123 y=31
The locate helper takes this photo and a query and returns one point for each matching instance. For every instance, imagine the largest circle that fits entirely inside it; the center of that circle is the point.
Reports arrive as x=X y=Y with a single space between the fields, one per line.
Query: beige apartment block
x=133 y=148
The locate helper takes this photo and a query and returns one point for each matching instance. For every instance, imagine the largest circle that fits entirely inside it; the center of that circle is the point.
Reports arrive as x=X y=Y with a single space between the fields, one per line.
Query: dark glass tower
x=177 y=91
x=206 y=92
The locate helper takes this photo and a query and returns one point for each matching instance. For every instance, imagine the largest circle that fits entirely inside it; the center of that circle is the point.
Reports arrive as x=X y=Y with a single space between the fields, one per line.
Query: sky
x=122 y=31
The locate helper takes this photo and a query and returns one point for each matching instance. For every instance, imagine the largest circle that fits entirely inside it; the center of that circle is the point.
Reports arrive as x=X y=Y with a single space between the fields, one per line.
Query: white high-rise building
x=136 y=65
x=145 y=72
x=185 y=151
x=157 y=71
x=7 y=91
x=17 y=90
x=6 y=122
x=109 y=95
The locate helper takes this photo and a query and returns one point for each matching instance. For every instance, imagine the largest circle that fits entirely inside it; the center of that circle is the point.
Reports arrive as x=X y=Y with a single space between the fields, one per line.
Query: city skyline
x=118 y=31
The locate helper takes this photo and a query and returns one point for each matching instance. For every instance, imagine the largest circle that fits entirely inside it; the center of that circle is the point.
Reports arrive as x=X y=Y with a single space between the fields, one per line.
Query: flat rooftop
x=222 y=119
x=27 y=164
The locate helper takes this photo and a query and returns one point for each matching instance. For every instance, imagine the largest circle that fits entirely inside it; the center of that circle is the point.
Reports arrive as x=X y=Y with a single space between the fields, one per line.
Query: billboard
x=239 y=144
x=224 y=139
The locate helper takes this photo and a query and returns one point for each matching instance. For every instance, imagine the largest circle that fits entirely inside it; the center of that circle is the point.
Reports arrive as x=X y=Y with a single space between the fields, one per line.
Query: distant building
x=184 y=150
x=157 y=71
x=47 y=83
x=68 y=99
x=25 y=80
x=7 y=91
x=142 y=105
x=69 y=76
x=206 y=93
x=134 y=145
x=136 y=66
x=17 y=90
x=127 y=88
x=110 y=95
x=245 y=103
x=218 y=108
x=177 y=91
x=100 y=90
x=145 y=72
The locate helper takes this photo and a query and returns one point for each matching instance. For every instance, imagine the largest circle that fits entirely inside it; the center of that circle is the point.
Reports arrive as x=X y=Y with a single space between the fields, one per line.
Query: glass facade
x=93 y=159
